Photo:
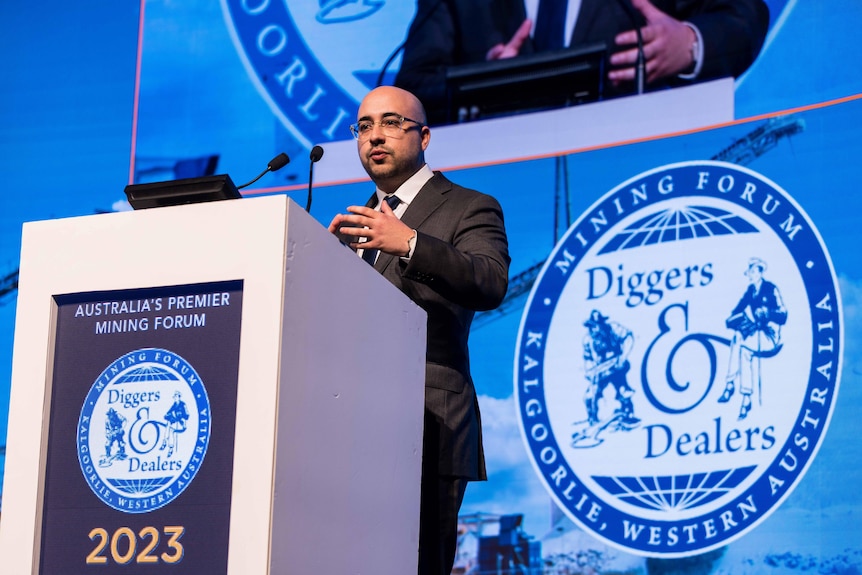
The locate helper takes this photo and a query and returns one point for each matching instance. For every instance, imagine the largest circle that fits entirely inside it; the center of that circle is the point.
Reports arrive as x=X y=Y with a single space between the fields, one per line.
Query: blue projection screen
x=670 y=384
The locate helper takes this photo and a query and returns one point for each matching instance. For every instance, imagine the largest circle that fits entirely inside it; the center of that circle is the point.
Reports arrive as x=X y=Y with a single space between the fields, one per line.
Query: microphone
x=315 y=155
x=640 y=67
x=274 y=165
x=278 y=162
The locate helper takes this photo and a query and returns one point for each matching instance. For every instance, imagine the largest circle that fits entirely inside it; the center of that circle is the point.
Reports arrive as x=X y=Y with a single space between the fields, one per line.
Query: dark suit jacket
x=460 y=265
x=766 y=298
x=450 y=32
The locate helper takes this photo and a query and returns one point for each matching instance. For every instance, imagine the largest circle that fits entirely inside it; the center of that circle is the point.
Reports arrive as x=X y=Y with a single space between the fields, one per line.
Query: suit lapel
x=429 y=198
x=585 y=22
x=372 y=201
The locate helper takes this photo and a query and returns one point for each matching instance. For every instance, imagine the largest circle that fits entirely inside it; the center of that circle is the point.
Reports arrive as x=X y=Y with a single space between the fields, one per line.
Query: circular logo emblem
x=679 y=358
x=144 y=430
x=313 y=61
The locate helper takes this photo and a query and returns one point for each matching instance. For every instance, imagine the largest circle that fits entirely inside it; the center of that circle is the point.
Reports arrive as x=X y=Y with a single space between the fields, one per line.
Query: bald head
x=390 y=95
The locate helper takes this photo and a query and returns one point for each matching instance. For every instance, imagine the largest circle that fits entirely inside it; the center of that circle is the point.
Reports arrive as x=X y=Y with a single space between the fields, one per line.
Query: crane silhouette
x=741 y=152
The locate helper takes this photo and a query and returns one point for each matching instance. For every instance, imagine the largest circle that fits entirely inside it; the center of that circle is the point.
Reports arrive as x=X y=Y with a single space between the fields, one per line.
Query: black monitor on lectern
x=183 y=191
x=526 y=83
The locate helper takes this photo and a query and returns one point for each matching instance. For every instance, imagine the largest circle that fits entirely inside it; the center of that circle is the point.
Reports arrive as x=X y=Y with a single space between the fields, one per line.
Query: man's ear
x=426 y=137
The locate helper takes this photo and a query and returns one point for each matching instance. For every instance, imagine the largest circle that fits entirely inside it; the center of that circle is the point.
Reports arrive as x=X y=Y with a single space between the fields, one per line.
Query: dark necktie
x=371 y=255
x=550 y=25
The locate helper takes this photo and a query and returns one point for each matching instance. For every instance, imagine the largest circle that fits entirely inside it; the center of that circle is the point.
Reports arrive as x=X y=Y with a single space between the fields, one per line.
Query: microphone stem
x=259 y=176
x=641 y=71
x=640 y=67
x=310 y=175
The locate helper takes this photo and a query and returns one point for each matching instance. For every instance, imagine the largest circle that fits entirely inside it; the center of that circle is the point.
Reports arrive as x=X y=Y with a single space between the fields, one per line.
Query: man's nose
x=377 y=134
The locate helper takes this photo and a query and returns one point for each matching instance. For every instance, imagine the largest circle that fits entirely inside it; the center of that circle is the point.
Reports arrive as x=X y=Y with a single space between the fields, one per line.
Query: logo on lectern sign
x=679 y=359
x=144 y=430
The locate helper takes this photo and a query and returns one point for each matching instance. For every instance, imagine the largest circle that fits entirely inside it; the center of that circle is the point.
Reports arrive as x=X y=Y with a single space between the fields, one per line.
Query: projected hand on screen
x=669 y=47
x=684 y=42
x=513 y=47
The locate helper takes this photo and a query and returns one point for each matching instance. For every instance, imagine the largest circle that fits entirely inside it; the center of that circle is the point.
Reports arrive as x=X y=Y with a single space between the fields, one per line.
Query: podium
x=219 y=387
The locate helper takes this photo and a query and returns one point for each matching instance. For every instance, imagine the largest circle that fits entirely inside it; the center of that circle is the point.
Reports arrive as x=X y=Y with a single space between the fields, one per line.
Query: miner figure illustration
x=114 y=433
x=607 y=346
x=756 y=323
x=176 y=417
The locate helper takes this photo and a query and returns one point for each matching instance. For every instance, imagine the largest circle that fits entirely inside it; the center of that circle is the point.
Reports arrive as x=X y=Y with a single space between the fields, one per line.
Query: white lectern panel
x=327 y=447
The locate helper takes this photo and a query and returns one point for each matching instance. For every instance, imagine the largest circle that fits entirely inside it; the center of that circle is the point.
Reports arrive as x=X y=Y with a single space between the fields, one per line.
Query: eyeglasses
x=392 y=126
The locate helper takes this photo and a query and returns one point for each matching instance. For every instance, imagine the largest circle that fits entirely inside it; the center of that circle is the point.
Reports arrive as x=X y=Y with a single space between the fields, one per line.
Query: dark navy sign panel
x=141 y=435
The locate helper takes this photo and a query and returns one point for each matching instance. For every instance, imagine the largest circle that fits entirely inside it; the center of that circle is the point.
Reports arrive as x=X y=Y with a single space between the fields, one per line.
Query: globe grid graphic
x=674 y=492
x=674 y=225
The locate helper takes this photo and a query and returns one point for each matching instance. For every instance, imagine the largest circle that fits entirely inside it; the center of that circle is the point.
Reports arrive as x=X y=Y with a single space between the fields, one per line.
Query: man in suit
x=685 y=41
x=444 y=246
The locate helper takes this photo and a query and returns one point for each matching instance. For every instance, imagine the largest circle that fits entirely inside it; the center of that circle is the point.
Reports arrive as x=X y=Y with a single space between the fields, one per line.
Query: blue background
x=66 y=124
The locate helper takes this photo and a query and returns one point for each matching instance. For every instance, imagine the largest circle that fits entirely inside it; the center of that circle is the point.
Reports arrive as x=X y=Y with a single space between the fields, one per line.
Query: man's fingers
x=495 y=52
x=625 y=57
x=627 y=38
x=647 y=8
x=361 y=210
x=521 y=35
x=353 y=231
x=622 y=75
x=336 y=223
x=513 y=47
x=630 y=37
x=629 y=74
